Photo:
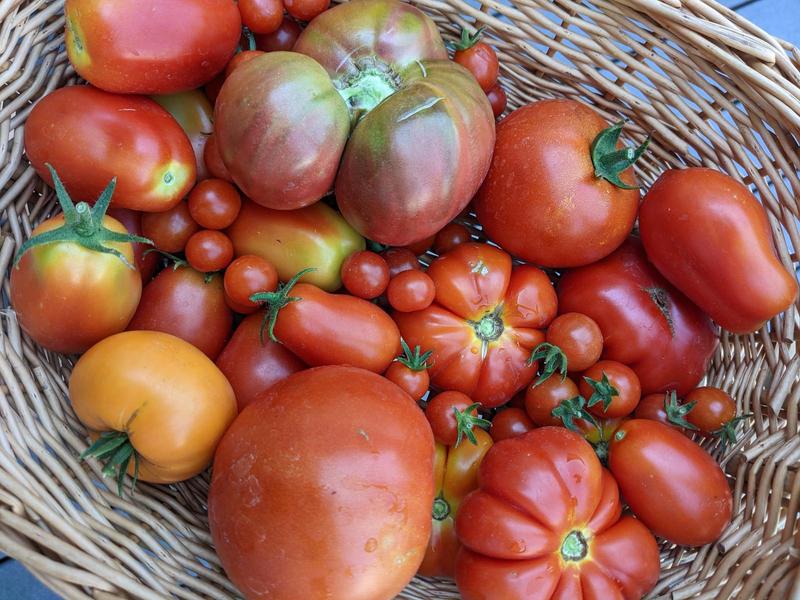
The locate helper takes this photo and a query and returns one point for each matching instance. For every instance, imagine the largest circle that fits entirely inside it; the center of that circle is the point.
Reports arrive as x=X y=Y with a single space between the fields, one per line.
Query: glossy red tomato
x=478 y=57
x=365 y=274
x=498 y=100
x=147 y=262
x=213 y=160
x=713 y=413
x=664 y=408
x=209 y=250
x=410 y=291
x=541 y=399
x=509 y=423
x=150 y=46
x=245 y=276
x=282 y=38
x=611 y=389
x=422 y=246
x=578 y=337
x=171 y=229
x=261 y=16
x=214 y=204
x=410 y=371
x=253 y=365
x=452 y=417
x=239 y=59
x=305 y=10
x=314 y=454
x=449 y=237
x=399 y=260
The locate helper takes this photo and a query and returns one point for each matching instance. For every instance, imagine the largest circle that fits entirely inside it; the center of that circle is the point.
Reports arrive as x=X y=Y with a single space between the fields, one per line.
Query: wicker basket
x=713 y=88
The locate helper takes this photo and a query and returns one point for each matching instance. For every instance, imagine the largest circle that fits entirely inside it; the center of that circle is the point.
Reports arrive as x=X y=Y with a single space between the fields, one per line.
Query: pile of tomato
x=243 y=278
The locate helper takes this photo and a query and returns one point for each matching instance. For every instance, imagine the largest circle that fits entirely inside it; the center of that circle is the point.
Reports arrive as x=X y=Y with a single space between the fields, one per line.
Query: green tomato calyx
x=609 y=162
x=275 y=301
x=83 y=225
x=416 y=360
x=364 y=88
x=115 y=451
x=441 y=509
x=574 y=547
x=466 y=421
x=553 y=359
x=676 y=412
x=602 y=391
x=467 y=40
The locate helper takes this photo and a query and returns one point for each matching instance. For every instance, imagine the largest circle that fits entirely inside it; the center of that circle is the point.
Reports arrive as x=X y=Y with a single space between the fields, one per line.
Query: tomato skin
x=498 y=99
x=566 y=539
x=245 y=276
x=671 y=484
x=292 y=240
x=194 y=113
x=713 y=410
x=171 y=229
x=521 y=204
x=622 y=294
x=239 y=59
x=422 y=246
x=214 y=204
x=365 y=274
x=509 y=423
x=449 y=237
x=132 y=220
x=349 y=470
x=652 y=407
x=441 y=417
x=623 y=379
x=209 y=250
x=740 y=287
x=410 y=291
x=414 y=383
x=128 y=137
x=252 y=367
x=306 y=10
x=540 y=400
x=179 y=44
x=480 y=60
x=579 y=338
x=282 y=38
x=168 y=395
x=213 y=160
x=399 y=260
x=261 y=16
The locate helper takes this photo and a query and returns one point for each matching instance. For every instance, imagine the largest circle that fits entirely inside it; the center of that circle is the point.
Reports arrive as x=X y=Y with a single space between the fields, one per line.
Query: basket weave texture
x=715 y=91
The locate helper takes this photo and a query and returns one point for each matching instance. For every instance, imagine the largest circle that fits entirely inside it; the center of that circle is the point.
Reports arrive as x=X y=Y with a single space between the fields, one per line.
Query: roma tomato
x=160 y=400
x=187 y=304
x=478 y=57
x=251 y=365
x=453 y=416
x=546 y=517
x=560 y=190
x=483 y=324
x=646 y=323
x=449 y=237
x=150 y=46
x=209 y=250
x=542 y=398
x=282 y=38
x=128 y=137
x=410 y=291
x=730 y=269
x=611 y=389
x=314 y=454
x=365 y=274
x=312 y=237
x=498 y=100
x=510 y=422
x=194 y=114
x=713 y=412
x=666 y=409
x=306 y=10
x=399 y=260
x=674 y=486
x=74 y=282
x=147 y=262
x=245 y=276
x=455 y=473
x=214 y=204
x=261 y=16
x=410 y=371
x=171 y=229
x=578 y=337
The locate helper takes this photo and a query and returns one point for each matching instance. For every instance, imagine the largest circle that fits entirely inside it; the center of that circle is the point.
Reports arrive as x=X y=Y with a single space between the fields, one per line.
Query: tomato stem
x=115 y=450
x=415 y=360
x=727 y=433
x=602 y=391
x=467 y=40
x=554 y=360
x=490 y=327
x=371 y=82
x=574 y=547
x=275 y=301
x=466 y=422
x=441 y=509
x=608 y=161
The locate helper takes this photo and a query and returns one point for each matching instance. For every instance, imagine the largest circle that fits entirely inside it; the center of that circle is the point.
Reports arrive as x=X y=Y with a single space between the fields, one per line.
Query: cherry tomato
x=209 y=250
x=245 y=276
x=664 y=408
x=509 y=423
x=410 y=291
x=453 y=416
x=479 y=58
x=239 y=59
x=579 y=338
x=422 y=246
x=713 y=413
x=282 y=38
x=171 y=229
x=213 y=160
x=305 y=10
x=132 y=220
x=614 y=389
x=365 y=274
x=399 y=260
x=214 y=204
x=261 y=16
x=410 y=371
x=498 y=100
x=449 y=237
x=540 y=400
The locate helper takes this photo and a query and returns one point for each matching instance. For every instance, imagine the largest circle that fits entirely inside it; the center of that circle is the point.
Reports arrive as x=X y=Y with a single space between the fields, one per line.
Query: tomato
x=410 y=291
x=146 y=262
x=478 y=57
x=449 y=237
x=67 y=294
x=399 y=260
x=664 y=408
x=239 y=59
x=547 y=198
x=293 y=240
x=253 y=366
x=713 y=412
x=214 y=204
x=510 y=422
x=545 y=523
x=410 y=371
x=282 y=38
x=541 y=399
x=160 y=400
x=261 y=16
x=498 y=100
x=171 y=229
x=245 y=276
x=187 y=304
x=213 y=160
x=453 y=416
x=330 y=329
x=128 y=137
x=455 y=472
x=209 y=250
x=611 y=389
x=312 y=455
x=646 y=323
x=422 y=246
x=194 y=114
x=483 y=324
x=305 y=10
x=729 y=270
x=150 y=46
x=578 y=337
x=365 y=274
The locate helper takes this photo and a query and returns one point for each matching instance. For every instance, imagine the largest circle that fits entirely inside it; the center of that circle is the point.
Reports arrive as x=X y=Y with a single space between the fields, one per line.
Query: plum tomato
x=365 y=274
x=209 y=250
x=410 y=291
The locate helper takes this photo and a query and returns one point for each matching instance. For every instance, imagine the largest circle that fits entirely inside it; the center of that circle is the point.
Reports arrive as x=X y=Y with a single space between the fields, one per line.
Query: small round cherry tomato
x=498 y=100
x=214 y=203
x=449 y=237
x=365 y=274
x=245 y=276
x=209 y=250
x=712 y=411
x=213 y=160
x=410 y=370
x=578 y=337
x=261 y=16
x=239 y=59
x=510 y=423
x=410 y=291
x=664 y=408
x=422 y=246
x=282 y=38
x=477 y=57
x=305 y=10
x=171 y=229
x=399 y=260
x=611 y=389
x=452 y=416
x=540 y=400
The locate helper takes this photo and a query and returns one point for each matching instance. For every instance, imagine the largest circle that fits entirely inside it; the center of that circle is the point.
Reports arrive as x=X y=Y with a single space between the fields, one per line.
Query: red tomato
x=483 y=324
x=548 y=198
x=194 y=113
x=713 y=412
x=312 y=455
x=449 y=237
x=150 y=46
x=128 y=137
x=578 y=337
x=399 y=260
x=282 y=38
x=253 y=366
x=541 y=399
x=453 y=416
x=365 y=274
x=479 y=58
x=611 y=389
x=410 y=371
x=546 y=517
x=646 y=323
x=245 y=276
x=498 y=100
x=510 y=422
x=729 y=270
x=213 y=160
x=411 y=290
x=209 y=250
x=305 y=10
x=261 y=16
x=171 y=229
x=239 y=59
x=422 y=246
x=147 y=262
x=664 y=408
x=214 y=204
